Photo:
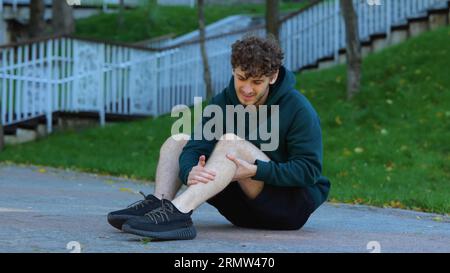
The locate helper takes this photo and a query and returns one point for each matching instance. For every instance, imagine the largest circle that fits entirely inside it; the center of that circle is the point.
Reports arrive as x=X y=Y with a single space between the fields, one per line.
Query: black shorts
x=279 y=208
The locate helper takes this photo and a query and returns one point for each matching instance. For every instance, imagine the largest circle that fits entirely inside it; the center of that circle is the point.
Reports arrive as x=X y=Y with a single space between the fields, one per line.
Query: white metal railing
x=226 y=25
x=319 y=32
x=66 y=74
x=13 y=3
x=190 y=3
x=100 y=3
x=69 y=74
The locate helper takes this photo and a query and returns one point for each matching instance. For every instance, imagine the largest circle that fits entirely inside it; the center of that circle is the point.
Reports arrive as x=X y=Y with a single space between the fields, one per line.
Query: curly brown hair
x=257 y=56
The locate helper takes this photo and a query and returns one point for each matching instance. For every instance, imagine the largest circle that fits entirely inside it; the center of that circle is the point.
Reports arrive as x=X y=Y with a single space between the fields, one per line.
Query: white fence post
x=48 y=84
x=19 y=85
x=336 y=30
x=3 y=87
x=389 y=11
x=75 y=75
x=14 y=6
x=11 y=85
x=105 y=6
x=101 y=90
x=155 y=84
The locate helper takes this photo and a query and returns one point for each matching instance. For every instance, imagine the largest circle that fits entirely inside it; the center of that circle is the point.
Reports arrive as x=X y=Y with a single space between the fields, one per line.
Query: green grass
x=400 y=121
x=152 y=20
x=127 y=149
x=389 y=146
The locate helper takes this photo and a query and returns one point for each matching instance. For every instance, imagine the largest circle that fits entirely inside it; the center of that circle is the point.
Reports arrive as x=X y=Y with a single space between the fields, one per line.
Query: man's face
x=252 y=91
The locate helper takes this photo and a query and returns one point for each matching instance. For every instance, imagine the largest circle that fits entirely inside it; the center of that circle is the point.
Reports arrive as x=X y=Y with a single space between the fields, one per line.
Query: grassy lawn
x=152 y=20
x=390 y=146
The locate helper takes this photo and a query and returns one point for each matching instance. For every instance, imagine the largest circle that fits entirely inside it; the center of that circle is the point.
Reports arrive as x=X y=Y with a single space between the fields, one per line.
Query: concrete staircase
x=223 y=26
x=435 y=17
x=36 y=128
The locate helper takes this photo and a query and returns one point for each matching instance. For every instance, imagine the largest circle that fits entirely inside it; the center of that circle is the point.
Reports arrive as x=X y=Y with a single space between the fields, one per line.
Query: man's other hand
x=199 y=174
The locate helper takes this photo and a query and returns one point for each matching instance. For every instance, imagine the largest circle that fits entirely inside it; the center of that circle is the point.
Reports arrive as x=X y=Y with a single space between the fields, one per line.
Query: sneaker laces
x=140 y=203
x=161 y=212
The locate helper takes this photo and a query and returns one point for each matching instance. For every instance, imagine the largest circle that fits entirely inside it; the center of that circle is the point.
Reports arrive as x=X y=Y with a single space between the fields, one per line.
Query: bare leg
x=167 y=182
x=225 y=169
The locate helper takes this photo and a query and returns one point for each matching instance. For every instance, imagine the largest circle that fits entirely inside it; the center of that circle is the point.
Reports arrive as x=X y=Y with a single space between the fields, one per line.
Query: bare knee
x=174 y=143
x=230 y=137
x=229 y=143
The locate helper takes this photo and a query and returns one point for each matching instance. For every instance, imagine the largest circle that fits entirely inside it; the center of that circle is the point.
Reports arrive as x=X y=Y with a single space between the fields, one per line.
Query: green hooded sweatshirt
x=297 y=161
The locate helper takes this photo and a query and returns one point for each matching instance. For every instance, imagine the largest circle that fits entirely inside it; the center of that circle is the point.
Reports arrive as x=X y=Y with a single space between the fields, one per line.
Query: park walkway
x=43 y=209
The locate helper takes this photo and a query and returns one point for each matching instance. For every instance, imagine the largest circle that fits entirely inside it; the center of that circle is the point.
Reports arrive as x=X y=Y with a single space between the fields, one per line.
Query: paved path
x=43 y=209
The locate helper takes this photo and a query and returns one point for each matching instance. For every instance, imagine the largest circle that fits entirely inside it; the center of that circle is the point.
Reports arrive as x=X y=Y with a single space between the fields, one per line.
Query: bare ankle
x=181 y=207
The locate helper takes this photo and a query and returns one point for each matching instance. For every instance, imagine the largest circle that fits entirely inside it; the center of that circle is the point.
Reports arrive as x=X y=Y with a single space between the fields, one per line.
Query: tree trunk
x=353 y=48
x=272 y=17
x=36 y=25
x=62 y=17
x=120 y=18
x=206 y=72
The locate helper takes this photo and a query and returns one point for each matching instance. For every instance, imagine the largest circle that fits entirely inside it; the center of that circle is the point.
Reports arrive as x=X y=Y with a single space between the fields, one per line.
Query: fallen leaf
x=347 y=152
x=146 y=240
x=126 y=190
x=109 y=182
x=396 y=204
x=389 y=165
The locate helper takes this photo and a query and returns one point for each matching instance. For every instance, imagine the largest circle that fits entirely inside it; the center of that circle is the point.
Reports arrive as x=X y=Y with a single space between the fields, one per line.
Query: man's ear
x=274 y=78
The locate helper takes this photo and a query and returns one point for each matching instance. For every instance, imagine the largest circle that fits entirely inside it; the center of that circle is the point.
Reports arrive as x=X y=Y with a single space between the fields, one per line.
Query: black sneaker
x=139 y=208
x=163 y=223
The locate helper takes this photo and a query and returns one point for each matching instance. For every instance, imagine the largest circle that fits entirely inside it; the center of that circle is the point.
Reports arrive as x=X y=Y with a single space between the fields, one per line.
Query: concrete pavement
x=43 y=209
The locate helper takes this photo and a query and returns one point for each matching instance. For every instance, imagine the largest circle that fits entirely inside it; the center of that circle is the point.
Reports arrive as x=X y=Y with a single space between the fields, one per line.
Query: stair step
x=400 y=23
x=405 y=24
x=420 y=16
x=439 y=6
